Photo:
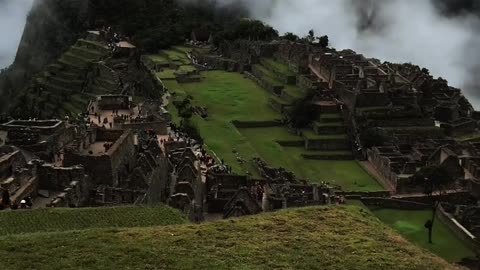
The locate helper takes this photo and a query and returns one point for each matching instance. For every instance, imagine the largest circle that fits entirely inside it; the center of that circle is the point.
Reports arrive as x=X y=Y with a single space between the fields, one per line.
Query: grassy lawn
x=158 y=59
x=410 y=224
x=177 y=56
x=228 y=97
x=279 y=67
x=64 y=219
x=166 y=74
x=182 y=49
x=308 y=238
x=348 y=174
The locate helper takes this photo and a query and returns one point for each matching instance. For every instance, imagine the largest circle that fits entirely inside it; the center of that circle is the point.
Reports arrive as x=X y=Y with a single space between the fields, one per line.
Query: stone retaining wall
x=460 y=232
x=256 y=124
x=394 y=204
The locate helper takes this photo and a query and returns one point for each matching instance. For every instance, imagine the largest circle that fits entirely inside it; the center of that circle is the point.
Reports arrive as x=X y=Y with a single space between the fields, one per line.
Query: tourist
x=23 y=204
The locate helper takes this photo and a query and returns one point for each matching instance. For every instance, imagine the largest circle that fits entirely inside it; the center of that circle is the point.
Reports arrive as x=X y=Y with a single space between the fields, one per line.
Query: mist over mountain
x=441 y=35
x=13 y=14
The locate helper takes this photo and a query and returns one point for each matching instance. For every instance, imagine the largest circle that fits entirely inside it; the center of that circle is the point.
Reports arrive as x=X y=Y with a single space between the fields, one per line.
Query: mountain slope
x=307 y=238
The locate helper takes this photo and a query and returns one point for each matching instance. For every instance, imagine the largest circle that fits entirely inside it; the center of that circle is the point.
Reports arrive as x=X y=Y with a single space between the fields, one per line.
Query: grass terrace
x=349 y=174
x=229 y=97
x=310 y=135
x=67 y=219
x=177 y=56
x=410 y=224
x=166 y=74
x=308 y=238
x=158 y=59
x=277 y=66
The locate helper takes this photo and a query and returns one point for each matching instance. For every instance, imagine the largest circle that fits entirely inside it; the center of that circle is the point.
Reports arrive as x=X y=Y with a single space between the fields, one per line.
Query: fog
x=13 y=14
x=446 y=41
x=416 y=31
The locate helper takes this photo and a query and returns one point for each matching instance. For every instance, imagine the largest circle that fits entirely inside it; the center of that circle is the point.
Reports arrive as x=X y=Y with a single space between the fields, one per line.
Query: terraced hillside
x=61 y=89
x=243 y=124
x=66 y=219
x=308 y=238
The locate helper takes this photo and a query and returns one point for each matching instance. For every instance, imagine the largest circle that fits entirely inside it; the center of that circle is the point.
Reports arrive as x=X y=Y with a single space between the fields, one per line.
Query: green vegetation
x=166 y=74
x=472 y=137
x=307 y=238
x=65 y=219
x=277 y=66
x=347 y=174
x=410 y=224
x=158 y=59
x=229 y=97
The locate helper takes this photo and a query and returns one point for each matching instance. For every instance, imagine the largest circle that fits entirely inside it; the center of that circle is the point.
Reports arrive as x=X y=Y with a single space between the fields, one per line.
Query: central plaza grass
x=307 y=238
x=229 y=97
x=347 y=174
x=410 y=224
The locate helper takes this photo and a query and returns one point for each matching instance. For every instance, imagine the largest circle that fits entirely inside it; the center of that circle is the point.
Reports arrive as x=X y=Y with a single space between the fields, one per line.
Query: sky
x=13 y=14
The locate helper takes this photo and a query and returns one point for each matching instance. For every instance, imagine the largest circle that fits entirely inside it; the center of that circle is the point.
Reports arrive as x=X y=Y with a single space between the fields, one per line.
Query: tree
x=433 y=178
x=311 y=36
x=376 y=136
x=303 y=111
x=290 y=36
x=323 y=41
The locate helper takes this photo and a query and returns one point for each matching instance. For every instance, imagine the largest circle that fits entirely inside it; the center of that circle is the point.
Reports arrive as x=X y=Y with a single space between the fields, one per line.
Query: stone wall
x=457 y=228
x=372 y=99
x=110 y=168
x=256 y=124
x=11 y=161
x=59 y=178
x=327 y=145
x=394 y=204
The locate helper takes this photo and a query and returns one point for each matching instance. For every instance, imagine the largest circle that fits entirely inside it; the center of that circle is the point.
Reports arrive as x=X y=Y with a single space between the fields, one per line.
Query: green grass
x=166 y=74
x=294 y=91
x=410 y=224
x=176 y=56
x=64 y=219
x=472 y=137
x=330 y=116
x=183 y=49
x=228 y=97
x=310 y=135
x=348 y=174
x=187 y=68
x=268 y=76
x=277 y=66
x=158 y=59
x=307 y=238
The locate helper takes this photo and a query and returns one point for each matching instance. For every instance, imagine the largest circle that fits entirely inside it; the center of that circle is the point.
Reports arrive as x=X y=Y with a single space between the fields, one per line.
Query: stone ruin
x=186 y=185
x=23 y=179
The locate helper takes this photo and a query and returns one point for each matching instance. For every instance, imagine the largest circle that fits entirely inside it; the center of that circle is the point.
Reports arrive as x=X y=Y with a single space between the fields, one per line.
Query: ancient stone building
x=107 y=155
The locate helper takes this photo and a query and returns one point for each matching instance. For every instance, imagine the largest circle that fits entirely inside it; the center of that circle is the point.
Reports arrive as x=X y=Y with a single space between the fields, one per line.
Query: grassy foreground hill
x=66 y=219
x=307 y=238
